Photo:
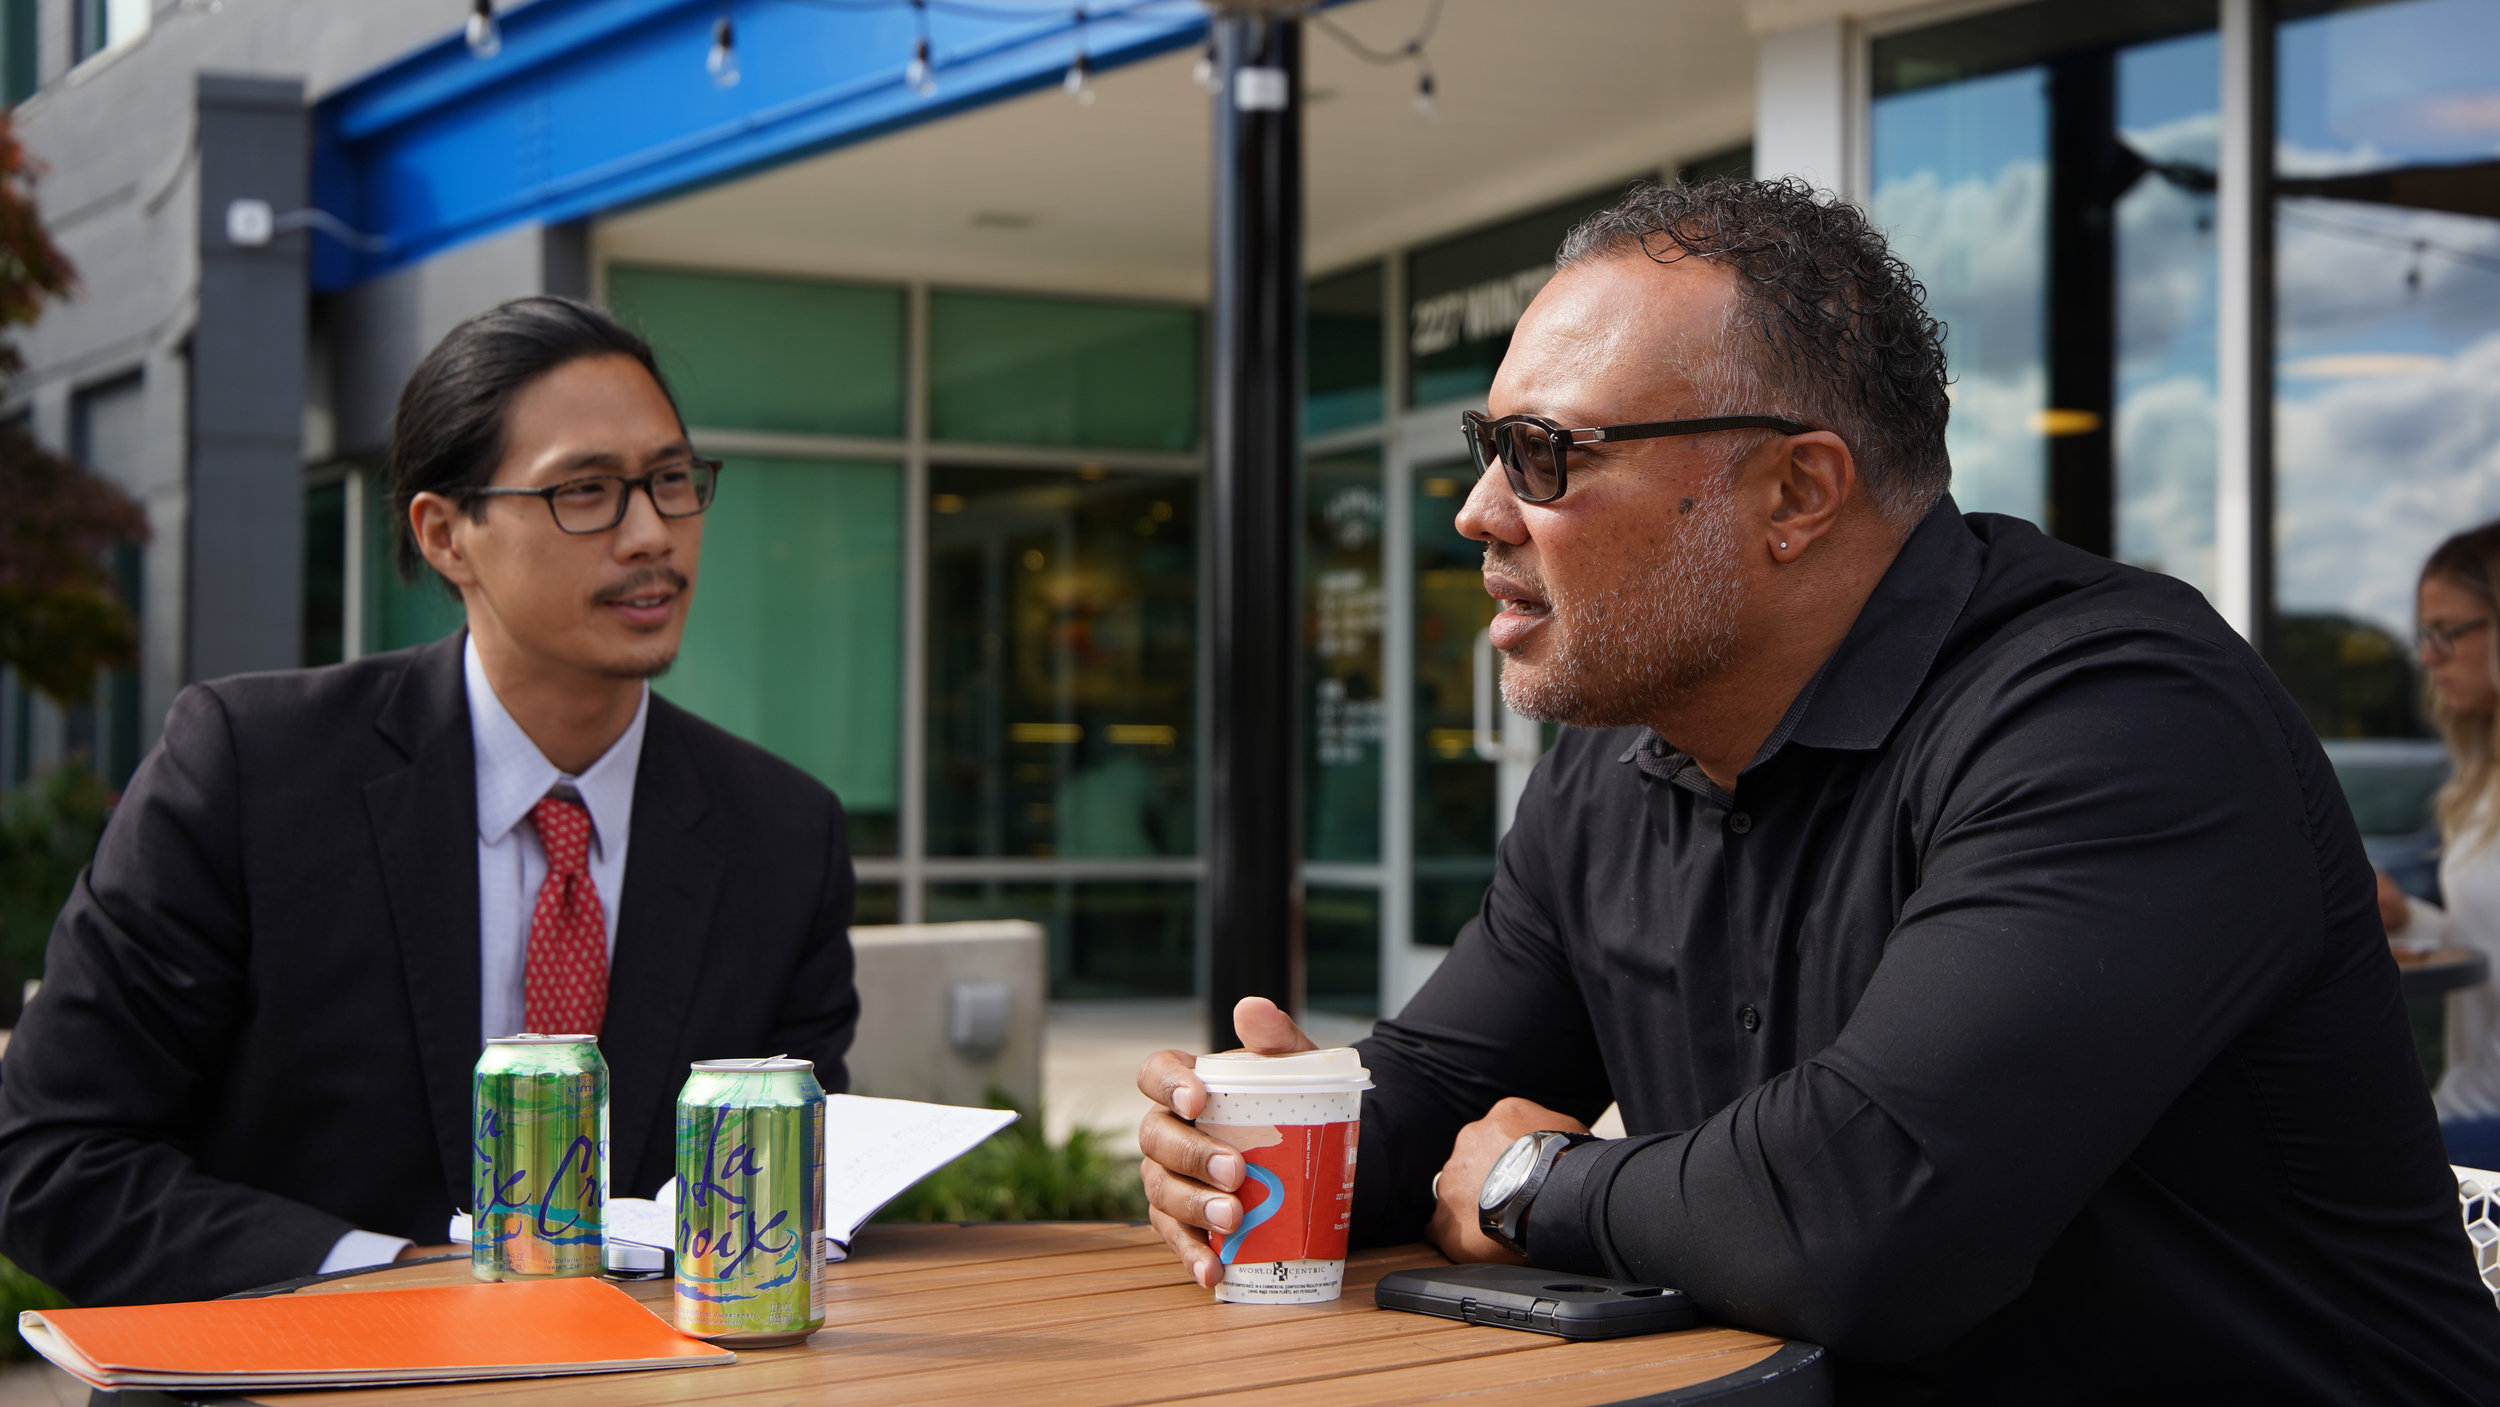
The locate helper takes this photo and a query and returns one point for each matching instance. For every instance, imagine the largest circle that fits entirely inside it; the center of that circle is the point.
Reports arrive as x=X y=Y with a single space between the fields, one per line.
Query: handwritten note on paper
x=875 y=1149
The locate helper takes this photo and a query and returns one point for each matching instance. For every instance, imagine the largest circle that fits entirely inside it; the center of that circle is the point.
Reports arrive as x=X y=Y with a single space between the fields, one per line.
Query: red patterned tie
x=565 y=990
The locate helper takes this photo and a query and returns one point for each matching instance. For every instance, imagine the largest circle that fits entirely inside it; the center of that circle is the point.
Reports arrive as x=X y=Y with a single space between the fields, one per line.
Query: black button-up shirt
x=2022 y=1028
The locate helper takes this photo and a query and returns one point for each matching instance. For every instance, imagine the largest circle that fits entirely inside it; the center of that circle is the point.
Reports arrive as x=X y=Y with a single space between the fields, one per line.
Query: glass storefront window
x=1063 y=662
x=1960 y=178
x=2387 y=265
x=325 y=573
x=400 y=613
x=1341 y=950
x=795 y=642
x=2169 y=113
x=1464 y=295
x=1343 y=337
x=1343 y=616
x=1106 y=939
x=877 y=903
x=1015 y=370
x=1454 y=788
x=787 y=355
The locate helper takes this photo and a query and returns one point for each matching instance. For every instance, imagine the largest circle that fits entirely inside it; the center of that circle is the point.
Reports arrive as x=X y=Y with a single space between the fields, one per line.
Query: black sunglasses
x=1535 y=452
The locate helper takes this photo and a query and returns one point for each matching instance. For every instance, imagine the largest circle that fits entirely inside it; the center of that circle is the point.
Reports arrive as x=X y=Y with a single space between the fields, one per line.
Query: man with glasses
x=1969 y=929
x=251 y=1056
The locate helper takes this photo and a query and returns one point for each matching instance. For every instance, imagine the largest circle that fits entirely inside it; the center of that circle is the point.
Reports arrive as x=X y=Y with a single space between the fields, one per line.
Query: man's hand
x=1453 y=1225
x=1190 y=1178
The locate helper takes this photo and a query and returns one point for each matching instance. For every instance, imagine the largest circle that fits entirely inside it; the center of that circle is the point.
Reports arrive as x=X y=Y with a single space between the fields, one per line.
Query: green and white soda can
x=751 y=1202
x=539 y=1158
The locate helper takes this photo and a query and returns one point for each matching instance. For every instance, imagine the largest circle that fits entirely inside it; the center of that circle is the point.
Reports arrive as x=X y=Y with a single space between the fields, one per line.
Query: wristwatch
x=1518 y=1175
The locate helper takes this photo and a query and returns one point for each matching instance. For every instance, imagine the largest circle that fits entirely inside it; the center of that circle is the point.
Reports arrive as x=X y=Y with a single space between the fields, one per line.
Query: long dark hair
x=2470 y=562
x=449 y=433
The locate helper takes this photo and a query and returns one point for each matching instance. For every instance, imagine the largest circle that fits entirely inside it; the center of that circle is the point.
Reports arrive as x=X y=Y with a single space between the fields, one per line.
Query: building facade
x=2222 y=279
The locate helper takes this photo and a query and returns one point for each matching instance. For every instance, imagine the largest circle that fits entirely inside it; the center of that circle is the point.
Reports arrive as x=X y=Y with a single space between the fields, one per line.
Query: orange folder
x=443 y=1333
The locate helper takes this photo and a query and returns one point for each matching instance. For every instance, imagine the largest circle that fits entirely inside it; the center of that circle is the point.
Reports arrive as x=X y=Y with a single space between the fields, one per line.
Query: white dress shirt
x=512 y=774
x=2469 y=879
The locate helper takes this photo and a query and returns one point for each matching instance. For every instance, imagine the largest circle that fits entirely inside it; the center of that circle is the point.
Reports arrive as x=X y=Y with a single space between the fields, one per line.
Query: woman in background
x=2458 y=603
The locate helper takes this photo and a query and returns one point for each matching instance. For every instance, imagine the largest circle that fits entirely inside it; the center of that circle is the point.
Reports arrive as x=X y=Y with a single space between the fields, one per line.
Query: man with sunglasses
x=251 y=1056
x=1969 y=929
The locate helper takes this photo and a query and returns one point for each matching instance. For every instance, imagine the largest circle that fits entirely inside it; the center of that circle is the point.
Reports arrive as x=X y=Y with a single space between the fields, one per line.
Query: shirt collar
x=512 y=774
x=1868 y=682
x=1865 y=685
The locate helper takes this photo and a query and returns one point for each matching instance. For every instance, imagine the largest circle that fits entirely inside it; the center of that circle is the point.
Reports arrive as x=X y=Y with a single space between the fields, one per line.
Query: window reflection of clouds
x=1961 y=187
x=2388 y=341
x=2169 y=96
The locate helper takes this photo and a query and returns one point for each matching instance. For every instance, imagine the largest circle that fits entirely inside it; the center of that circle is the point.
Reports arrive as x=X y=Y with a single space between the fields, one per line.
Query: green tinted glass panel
x=399 y=613
x=795 y=643
x=1341 y=950
x=1344 y=316
x=877 y=903
x=1454 y=788
x=1106 y=940
x=1063 y=623
x=1342 y=621
x=771 y=354
x=325 y=567
x=1055 y=371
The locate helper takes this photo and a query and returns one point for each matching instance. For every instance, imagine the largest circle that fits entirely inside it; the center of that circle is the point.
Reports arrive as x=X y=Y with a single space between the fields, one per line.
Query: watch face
x=1509 y=1171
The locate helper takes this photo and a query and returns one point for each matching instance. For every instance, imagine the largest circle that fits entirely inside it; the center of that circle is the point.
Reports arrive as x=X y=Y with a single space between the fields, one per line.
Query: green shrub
x=48 y=833
x=19 y=1290
x=1019 y=1175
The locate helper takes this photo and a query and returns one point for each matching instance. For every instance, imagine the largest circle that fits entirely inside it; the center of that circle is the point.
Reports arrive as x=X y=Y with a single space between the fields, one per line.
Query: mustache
x=1502 y=557
x=633 y=585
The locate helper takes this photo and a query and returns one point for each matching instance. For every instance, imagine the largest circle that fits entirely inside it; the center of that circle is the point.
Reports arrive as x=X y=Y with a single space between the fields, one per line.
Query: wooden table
x=2441 y=970
x=1085 y=1313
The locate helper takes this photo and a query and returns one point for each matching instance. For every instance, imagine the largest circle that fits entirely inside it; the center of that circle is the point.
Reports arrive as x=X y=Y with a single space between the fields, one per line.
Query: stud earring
x=1783 y=546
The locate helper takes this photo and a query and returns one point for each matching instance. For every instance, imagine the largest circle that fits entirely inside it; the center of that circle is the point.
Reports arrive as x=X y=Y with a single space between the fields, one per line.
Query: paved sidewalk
x=39 y=1385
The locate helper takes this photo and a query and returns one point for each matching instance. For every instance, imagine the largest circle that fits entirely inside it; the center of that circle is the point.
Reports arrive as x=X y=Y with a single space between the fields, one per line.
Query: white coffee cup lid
x=1316 y=1071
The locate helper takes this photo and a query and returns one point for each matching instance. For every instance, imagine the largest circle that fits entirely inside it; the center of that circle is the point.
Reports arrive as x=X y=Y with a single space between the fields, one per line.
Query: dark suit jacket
x=260 y=1008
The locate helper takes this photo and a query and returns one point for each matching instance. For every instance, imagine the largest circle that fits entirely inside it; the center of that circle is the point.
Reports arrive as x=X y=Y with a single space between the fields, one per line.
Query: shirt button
x=1740 y=823
x=1749 y=1018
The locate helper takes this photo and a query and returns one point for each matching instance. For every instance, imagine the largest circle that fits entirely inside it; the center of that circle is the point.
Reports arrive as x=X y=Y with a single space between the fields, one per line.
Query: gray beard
x=1625 y=653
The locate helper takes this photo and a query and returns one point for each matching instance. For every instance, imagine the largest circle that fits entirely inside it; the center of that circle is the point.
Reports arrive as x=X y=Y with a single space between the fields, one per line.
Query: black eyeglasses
x=596 y=503
x=1535 y=452
x=2438 y=639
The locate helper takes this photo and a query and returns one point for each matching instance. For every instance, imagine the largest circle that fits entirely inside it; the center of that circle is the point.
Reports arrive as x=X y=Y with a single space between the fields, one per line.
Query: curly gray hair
x=1839 y=327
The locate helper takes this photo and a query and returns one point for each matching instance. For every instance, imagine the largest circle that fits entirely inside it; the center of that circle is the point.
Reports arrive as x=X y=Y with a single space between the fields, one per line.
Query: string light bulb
x=1426 y=101
x=722 y=62
x=484 y=35
x=1204 y=73
x=919 y=74
x=1080 y=79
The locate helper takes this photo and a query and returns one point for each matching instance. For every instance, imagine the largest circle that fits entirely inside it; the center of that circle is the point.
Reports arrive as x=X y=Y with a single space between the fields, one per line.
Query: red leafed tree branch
x=62 y=613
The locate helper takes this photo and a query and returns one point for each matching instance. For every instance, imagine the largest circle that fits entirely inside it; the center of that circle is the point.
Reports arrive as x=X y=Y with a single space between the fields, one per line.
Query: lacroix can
x=751 y=1202
x=539 y=1158
x=1295 y=1119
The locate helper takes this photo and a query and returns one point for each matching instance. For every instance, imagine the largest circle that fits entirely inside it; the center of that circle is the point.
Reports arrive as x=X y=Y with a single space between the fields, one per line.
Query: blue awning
x=594 y=105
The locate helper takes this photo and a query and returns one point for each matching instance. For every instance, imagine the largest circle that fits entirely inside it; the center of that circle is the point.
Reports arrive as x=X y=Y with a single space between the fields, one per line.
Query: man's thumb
x=1265 y=1028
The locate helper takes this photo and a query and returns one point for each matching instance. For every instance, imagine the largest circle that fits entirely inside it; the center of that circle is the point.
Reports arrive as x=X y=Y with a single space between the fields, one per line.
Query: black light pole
x=1254 y=846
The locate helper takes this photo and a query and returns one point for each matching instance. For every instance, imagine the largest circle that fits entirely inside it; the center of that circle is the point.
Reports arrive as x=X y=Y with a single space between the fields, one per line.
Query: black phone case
x=1540 y=1301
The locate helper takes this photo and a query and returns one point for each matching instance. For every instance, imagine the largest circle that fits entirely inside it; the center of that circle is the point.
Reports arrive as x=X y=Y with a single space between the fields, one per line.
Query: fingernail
x=1224 y=1170
x=1222 y=1212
